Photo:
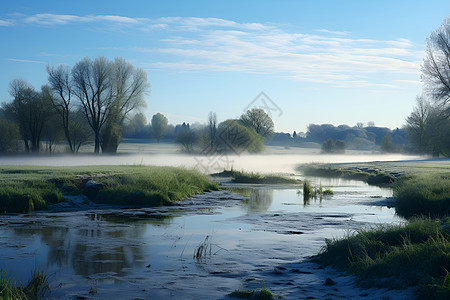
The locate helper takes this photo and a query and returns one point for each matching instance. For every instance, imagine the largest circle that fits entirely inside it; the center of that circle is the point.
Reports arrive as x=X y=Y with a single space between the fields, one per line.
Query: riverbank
x=414 y=254
x=28 y=188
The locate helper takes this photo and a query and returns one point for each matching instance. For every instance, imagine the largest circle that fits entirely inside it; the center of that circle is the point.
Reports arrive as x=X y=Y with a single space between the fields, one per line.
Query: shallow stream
x=247 y=237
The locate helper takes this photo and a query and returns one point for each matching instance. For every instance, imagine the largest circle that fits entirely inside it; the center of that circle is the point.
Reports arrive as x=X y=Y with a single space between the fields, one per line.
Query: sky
x=336 y=62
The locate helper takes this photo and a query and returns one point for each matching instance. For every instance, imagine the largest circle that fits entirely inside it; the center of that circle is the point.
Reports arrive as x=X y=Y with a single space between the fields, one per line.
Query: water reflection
x=260 y=200
x=90 y=247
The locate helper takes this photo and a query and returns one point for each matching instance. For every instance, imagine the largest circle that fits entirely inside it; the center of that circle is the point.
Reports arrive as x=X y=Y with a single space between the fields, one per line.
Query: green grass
x=372 y=177
x=28 y=188
x=255 y=178
x=313 y=192
x=426 y=194
x=415 y=254
x=36 y=287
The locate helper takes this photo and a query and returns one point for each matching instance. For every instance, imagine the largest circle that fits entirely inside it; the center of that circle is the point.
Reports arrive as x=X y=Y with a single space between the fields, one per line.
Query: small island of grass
x=255 y=178
x=28 y=188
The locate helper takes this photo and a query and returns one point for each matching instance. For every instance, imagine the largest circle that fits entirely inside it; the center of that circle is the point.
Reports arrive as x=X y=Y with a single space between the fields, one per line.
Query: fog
x=276 y=161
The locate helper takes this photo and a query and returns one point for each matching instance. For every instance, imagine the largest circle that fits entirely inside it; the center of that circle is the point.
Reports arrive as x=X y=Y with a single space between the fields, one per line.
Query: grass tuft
x=396 y=257
x=427 y=195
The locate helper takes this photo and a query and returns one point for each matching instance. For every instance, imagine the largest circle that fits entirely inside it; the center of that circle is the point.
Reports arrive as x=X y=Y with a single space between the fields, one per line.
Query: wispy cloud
x=26 y=61
x=5 y=23
x=214 y=44
x=333 y=32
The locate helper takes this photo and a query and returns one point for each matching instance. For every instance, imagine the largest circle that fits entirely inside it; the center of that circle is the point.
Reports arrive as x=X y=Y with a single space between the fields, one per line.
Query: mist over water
x=275 y=162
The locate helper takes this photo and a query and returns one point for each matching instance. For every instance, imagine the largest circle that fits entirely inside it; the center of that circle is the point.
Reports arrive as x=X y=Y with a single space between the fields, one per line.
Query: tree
x=108 y=90
x=258 y=120
x=159 y=125
x=339 y=146
x=234 y=137
x=187 y=138
x=61 y=86
x=436 y=65
x=212 y=126
x=31 y=110
x=135 y=127
x=417 y=123
x=386 y=144
x=9 y=135
x=128 y=87
x=91 y=82
x=328 y=146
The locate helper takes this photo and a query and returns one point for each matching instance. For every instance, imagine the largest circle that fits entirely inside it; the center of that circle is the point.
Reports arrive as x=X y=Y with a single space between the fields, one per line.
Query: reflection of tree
x=90 y=245
x=260 y=200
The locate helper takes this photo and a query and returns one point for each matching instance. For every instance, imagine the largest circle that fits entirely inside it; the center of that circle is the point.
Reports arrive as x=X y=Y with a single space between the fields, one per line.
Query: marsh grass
x=204 y=249
x=314 y=192
x=255 y=178
x=396 y=257
x=423 y=195
x=28 y=188
x=36 y=288
x=372 y=177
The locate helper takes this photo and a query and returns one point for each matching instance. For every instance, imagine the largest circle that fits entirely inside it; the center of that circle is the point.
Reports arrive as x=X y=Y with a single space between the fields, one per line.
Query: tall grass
x=397 y=257
x=23 y=189
x=423 y=195
x=36 y=288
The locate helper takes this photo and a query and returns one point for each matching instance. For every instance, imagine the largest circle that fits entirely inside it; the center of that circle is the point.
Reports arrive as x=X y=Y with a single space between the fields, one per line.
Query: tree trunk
x=97 y=142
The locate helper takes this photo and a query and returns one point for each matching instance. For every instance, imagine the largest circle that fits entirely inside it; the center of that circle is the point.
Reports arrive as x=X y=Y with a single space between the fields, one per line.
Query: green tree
x=339 y=146
x=234 y=137
x=187 y=138
x=328 y=146
x=9 y=135
x=258 y=120
x=386 y=144
x=159 y=125
x=31 y=110
x=108 y=90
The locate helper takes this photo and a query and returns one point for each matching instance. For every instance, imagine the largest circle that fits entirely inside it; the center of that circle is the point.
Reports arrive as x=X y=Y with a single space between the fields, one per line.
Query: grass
x=415 y=254
x=426 y=194
x=372 y=177
x=28 y=188
x=36 y=287
x=255 y=178
x=313 y=192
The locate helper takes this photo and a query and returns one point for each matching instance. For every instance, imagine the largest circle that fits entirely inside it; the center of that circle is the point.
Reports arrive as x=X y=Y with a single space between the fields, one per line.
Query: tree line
x=88 y=102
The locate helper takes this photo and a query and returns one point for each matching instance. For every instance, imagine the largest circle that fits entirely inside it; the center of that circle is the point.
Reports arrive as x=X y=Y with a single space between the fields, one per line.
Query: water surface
x=258 y=237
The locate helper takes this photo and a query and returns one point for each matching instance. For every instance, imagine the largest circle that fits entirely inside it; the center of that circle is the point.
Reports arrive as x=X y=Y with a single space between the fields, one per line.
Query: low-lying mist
x=275 y=161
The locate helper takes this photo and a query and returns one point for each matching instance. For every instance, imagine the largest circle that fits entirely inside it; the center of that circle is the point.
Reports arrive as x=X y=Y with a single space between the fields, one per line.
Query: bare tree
x=61 y=86
x=92 y=87
x=436 y=65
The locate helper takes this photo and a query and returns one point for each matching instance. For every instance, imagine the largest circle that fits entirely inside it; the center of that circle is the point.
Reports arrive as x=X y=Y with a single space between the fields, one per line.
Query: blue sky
x=338 y=62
